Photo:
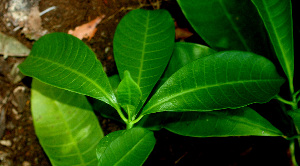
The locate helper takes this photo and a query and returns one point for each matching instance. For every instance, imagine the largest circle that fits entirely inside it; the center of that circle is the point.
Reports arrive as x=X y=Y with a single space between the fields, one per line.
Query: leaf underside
x=65 y=124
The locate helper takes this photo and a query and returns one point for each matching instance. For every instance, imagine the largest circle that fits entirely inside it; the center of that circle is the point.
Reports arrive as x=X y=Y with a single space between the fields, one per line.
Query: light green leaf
x=277 y=17
x=143 y=43
x=223 y=123
x=126 y=147
x=65 y=124
x=228 y=79
x=225 y=24
x=66 y=62
x=129 y=95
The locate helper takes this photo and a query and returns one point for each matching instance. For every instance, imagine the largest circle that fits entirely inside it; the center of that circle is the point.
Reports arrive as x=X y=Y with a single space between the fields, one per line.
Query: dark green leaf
x=126 y=147
x=66 y=62
x=228 y=79
x=143 y=43
x=225 y=24
x=65 y=124
x=224 y=123
x=183 y=54
x=277 y=17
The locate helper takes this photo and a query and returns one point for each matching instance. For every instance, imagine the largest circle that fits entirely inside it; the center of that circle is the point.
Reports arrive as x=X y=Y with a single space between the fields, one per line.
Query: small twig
x=283 y=100
x=177 y=161
x=47 y=10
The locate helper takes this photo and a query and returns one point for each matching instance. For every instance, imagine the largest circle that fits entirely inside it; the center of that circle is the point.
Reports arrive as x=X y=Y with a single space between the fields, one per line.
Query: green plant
x=187 y=88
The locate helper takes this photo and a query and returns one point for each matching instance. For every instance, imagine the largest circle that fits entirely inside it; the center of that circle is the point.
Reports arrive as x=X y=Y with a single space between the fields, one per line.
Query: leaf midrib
x=133 y=148
x=143 y=50
x=203 y=87
x=234 y=27
x=243 y=121
x=80 y=75
x=280 y=50
x=74 y=142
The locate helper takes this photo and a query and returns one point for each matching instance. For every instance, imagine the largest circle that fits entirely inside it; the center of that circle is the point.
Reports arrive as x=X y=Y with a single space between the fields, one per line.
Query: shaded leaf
x=104 y=109
x=223 y=123
x=225 y=24
x=65 y=124
x=277 y=17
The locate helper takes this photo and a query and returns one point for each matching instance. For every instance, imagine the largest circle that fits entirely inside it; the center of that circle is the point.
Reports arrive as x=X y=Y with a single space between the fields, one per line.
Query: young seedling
x=186 y=88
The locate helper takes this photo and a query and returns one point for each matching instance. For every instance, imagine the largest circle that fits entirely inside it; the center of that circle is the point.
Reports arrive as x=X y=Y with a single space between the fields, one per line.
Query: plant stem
x=293 y=156
x=122 y=115
x=284 y=101
x=129 y=125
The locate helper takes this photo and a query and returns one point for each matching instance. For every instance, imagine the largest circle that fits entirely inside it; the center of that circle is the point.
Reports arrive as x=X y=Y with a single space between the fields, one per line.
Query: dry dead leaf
x=33 y=27
x=181 y=33
x=87 y=30
x=10 y=46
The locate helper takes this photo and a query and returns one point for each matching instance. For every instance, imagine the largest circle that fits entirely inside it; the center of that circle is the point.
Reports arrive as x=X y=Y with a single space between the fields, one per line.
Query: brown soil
x=21 y=146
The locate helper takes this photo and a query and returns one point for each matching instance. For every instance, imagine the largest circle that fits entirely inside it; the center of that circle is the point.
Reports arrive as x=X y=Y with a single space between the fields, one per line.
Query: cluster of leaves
x=187 y=88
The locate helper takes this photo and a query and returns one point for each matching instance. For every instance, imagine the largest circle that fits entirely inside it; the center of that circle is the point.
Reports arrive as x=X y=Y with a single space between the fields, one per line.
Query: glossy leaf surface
x=65 y=124
x=125 y=147
x=277 y=17
x=225 y=24
x=228 y=79
x=143 y=43
x=129 y=94
x=183 y=54
x=66 y=62
x=106 y=110
x=221 y=123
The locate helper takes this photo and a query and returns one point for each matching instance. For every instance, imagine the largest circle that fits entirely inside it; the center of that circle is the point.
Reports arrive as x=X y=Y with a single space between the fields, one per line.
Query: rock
x=5 y=142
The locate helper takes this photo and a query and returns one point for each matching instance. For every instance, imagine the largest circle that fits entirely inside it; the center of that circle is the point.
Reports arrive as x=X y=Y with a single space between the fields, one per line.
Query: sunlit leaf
x=66 y=62
x=65 y=125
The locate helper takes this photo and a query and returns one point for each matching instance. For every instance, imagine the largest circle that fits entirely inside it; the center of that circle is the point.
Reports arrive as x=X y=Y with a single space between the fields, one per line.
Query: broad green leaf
x=66 y=62
x=229 y=79
x=225 y=24
x=143 y=43
x=126 y=147
x=223 y=123
x=65 y=125
x=183 y=54
x=129 y=94
x=277 y=17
